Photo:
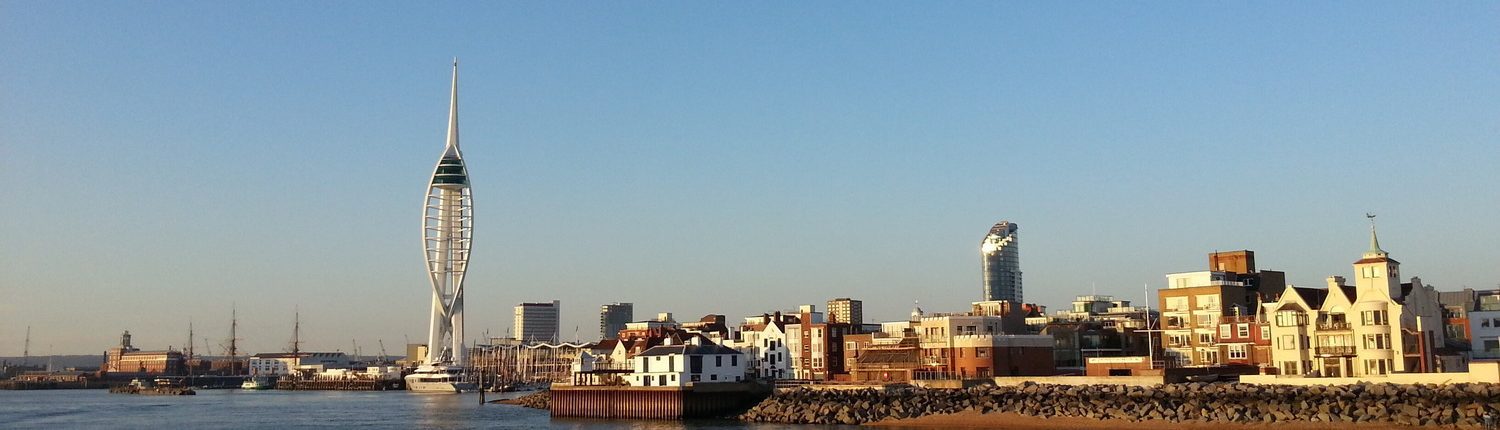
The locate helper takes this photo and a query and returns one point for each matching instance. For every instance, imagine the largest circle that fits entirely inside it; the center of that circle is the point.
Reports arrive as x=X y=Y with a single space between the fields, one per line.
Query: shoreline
x=1014 y=421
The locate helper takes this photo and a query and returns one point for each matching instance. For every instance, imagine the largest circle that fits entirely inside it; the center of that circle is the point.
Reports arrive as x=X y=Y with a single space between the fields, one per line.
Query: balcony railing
x=1334 y=350
x=1333 y=326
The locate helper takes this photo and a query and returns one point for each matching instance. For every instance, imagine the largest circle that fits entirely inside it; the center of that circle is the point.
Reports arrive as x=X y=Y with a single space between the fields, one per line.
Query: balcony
x=1334 y=350
x=1333 y=326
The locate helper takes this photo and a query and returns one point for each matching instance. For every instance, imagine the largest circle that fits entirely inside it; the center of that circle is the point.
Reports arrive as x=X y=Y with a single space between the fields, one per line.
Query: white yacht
x=439 y=378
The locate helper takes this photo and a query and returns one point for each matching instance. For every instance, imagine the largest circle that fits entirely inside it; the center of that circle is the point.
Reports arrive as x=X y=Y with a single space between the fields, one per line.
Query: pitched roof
x=709 y=349
x=1350 y=292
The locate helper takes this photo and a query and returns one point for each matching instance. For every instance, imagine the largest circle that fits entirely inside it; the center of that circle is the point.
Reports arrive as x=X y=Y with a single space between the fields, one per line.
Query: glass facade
x=1002 y=264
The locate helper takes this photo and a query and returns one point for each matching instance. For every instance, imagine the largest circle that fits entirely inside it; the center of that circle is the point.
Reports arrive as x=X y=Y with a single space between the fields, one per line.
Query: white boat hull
x=414 y=385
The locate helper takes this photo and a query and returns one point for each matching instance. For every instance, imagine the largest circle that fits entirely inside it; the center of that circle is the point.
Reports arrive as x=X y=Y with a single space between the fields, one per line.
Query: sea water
x=275 y=409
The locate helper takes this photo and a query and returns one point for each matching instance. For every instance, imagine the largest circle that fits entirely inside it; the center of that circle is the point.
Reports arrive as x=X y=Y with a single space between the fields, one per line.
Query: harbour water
x=275 y=409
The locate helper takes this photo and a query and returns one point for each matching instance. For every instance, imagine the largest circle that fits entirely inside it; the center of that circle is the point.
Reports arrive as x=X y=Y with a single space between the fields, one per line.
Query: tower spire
x=453 y=109
x=1374 y=241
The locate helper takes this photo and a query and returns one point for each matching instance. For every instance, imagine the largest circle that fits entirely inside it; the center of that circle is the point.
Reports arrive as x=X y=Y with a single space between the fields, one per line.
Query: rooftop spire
x=453 y=109
x=1374 y=241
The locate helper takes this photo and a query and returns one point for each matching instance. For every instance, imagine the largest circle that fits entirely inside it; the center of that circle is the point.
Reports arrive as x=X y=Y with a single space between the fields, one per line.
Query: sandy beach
x=1011 y=421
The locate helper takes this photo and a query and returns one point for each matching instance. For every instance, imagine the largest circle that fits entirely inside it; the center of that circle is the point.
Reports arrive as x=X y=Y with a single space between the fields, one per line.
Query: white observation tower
x=447 y=231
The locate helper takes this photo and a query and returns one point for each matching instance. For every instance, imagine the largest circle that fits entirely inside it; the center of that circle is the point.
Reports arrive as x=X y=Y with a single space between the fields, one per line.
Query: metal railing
x=1333 y=325
x=1334 y=350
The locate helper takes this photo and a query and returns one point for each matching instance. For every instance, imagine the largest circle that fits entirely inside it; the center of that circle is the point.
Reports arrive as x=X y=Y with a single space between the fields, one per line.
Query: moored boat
x=439 y=378
x=259 y=382
x=163 y=387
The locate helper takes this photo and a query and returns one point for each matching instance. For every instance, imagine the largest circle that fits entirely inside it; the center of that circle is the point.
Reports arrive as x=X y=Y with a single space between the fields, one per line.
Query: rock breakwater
x=539 y=400
x=1460 y=405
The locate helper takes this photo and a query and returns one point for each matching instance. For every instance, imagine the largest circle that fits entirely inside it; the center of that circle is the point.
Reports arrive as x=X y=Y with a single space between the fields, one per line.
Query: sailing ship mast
x=26 y=353
x=297 y=336
x=234 y=324
x=190 y=339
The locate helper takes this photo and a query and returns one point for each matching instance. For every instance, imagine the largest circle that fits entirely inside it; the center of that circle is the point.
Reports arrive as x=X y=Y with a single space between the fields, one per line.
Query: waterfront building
x=1000 y=258
x=1484 y=331
x=537 y=322
x=882 y=357
x=816 y=345
x=684 y=365
x=1196 y=305
x=969 y=346
x=281 y=364
x=710 y=326
x=126 y=361
x=1075 y=342
x=1375 y=327
x=847 y=311
x=613 y=317
x=763 y=341
x=1191 y=309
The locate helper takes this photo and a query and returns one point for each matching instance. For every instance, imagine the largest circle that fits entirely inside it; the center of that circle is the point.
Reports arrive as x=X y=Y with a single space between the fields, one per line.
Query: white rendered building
x=763 y=340
x=686 y=365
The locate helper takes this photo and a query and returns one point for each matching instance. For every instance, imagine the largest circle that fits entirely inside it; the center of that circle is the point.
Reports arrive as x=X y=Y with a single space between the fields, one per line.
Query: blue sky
x=160 y=161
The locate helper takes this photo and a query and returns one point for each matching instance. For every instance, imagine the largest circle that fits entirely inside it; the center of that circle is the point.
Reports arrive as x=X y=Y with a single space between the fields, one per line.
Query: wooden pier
x=655 y=403
x=340 y=385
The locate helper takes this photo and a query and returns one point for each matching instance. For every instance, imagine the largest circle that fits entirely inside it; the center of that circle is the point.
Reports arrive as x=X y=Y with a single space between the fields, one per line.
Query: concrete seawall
x=1458 y=405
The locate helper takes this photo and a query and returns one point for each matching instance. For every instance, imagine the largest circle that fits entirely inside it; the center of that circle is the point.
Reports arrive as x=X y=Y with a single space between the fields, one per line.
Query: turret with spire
x=1375 y=270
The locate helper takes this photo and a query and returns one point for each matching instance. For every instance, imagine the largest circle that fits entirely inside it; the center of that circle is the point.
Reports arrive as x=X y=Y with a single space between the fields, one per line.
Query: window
x=1375 y=317
x=1289 y=368
x=1205 y=338
x=734 y=360
x=1178 y=340
x=1243 y=331
x=1378 y=341
x=1287 y=341
x=1237 y=352
x=1265 y=333
x=1290 y=319
x=1224 y=330
x=718 y=361
x=981 y=352
x=1208 y=356
x=1208 y=301
x=1205 y=320
x=1177 y=303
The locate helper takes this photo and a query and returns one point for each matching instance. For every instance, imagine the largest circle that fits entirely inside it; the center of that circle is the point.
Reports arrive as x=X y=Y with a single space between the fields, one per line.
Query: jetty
x=702 y=400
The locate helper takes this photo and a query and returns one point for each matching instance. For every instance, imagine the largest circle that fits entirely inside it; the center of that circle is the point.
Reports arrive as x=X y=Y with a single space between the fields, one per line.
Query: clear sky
x=164 y=161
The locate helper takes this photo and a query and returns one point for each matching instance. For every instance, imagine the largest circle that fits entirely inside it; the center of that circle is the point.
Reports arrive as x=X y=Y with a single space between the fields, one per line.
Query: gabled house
x=686 y=365
x=1375 y=327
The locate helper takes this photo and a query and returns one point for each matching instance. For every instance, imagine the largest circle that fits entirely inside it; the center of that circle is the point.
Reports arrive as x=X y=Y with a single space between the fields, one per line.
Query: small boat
x=259 y=382
x=162 y=387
